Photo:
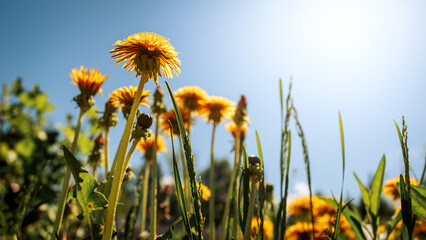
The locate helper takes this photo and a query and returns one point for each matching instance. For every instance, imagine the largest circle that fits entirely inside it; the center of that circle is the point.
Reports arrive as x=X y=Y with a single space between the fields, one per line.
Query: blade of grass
x=190 y=164
x=339 y=207
x=261 y=186
x=405 y=209
x=179 y=190
x=284 y=205
x=390 y=226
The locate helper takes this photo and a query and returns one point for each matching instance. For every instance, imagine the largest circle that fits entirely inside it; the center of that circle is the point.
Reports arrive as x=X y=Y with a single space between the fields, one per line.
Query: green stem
x=187 y=188
x=153 y=216
x=229 y=199
x=236 y=225
x=212 y=188
x=64 y=192
x=250 y=209
x=106 y=152
x=116 y=184
x=145 y=195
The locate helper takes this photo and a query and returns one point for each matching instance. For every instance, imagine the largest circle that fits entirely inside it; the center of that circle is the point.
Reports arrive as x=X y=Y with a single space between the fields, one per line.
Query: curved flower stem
x=237 y=184
x=106 y=152
x=130 y=153
x=145 y=195
x=250 y=208
x=64 y=192
x=153 y=216
x=212 y=188
x=116 y=184
x=231 y=190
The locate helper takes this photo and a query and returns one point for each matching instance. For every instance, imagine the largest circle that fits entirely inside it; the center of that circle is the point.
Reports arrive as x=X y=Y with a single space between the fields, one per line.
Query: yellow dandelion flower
x=147 y=52
x=302 y=230
x=217 y=109
x=420 y=229
x=191 y=97
x=170 y=115
x=147 y=146
x=89 y=82
x=205 y=192
x=300 y=206
x=268 y=227
x=125 y=96
x=390 y=188
x=232 y=128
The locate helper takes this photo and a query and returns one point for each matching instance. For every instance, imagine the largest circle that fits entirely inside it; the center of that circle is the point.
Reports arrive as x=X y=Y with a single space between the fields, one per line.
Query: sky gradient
x=365 y=59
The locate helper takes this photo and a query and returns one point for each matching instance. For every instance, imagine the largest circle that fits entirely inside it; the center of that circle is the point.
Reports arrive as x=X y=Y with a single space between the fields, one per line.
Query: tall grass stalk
x=212 y=188
x=64 y=191
x=339 y=207
x=116 y=185
x=249 y=217
x=307 y=165
x=187 y=188
x=284 y=200
x=199 y=221
x=153 y=216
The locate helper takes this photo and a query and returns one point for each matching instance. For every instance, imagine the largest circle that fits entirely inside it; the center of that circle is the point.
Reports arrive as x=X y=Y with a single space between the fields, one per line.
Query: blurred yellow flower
x=232 y=128
x=125 y=96
x=170 y=115
x=190 y=97
x=147 y=52
x=268 y=227
x=147 y=146
x=89 y=82
x=301 y=230
x=391 y=190
x=217 y=109
x=205 y=191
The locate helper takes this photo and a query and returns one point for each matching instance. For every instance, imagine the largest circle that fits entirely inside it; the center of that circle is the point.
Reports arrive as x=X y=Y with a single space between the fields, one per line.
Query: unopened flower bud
x=253 y=160
x=269 y=188
x=145 y=120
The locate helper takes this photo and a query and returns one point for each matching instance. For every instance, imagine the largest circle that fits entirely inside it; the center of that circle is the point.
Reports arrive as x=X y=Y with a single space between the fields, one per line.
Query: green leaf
x=179 y=190
x=364 y=193
x=354 y=221
x=25 y=147
x=87 y=195
x=418 y=201
x=405 y=209
x=169 y=233
x=339 y=207
x=390 y=226
x=376 y=187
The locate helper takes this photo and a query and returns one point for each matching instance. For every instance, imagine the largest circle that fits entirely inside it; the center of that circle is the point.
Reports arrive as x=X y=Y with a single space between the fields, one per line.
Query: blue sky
x=365 y=59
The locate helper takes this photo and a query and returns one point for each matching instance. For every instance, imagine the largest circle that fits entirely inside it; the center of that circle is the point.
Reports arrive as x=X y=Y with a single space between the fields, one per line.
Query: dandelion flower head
x=268 y=227
x=217 y=109
x=301 y=230
x=147 y=53
x=232 y=128
x=170 y=115
x=390 y=188
x=147 y=146
x=125 y=96
x=191 y=97
x=89 y=82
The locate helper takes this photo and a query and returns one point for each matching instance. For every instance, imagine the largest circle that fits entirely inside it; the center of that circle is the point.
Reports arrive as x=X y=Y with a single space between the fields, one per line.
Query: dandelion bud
x=253 y=160
x=240 y=116
x=158 y=106
x=145 y=120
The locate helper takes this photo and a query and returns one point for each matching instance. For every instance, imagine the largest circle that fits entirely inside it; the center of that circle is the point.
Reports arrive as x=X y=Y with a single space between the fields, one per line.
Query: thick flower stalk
x=89 y=83
x=150 y=55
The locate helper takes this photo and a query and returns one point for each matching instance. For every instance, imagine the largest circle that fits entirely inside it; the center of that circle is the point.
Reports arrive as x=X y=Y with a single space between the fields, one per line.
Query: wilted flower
x=147 y=52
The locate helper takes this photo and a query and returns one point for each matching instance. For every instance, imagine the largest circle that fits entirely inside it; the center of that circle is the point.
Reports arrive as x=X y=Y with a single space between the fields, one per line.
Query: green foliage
x=84 y=190
x=418 y=201
x=30 y=165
